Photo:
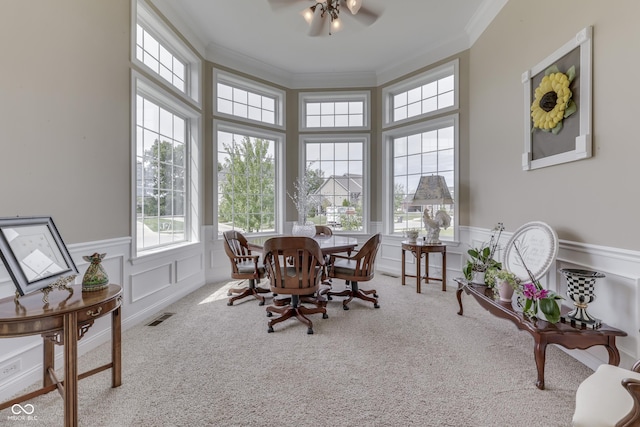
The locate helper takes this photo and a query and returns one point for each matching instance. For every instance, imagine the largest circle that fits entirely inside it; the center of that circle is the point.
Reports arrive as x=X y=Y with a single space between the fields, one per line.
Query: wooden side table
x=64 y=321
x=420 y=249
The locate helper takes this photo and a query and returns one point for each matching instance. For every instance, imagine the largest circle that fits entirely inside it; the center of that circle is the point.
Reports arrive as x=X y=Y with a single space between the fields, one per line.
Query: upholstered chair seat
x=608 y=398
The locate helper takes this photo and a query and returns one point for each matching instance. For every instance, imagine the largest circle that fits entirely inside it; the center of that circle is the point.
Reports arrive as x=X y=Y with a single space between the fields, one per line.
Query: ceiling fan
x=327 y=13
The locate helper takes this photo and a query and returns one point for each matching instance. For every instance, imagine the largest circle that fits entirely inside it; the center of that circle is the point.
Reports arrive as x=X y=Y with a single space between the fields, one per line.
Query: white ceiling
x=273 y=43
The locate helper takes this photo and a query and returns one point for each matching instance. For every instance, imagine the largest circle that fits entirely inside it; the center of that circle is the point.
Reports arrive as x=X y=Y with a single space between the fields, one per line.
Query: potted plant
x=505 y=282
x=481 y=258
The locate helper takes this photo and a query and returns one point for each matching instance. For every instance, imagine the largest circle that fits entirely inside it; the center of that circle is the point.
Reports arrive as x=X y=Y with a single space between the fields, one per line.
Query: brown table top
x=328 y=244
x=31 y=315
x=485 y=297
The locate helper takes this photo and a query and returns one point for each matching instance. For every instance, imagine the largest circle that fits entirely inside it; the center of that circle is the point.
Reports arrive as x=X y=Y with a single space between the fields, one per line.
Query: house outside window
x=337 y=169
x=423 y=144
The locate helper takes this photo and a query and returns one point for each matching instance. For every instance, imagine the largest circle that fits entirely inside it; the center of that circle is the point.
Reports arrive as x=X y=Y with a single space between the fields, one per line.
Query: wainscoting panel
x=148 y=282
x=187 y=267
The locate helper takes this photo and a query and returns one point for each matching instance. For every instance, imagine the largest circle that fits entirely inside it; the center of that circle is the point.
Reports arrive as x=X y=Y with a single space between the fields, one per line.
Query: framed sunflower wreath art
x=557 y=94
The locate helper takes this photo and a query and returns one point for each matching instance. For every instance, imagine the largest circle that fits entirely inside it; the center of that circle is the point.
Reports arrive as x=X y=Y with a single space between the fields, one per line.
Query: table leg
x=444 y=271
x=459 y=297
x=614 y=354
x=403 y=272
x=48 y=360
x=418 y=268
x=116 y=348
x=540 y=350
x=71 y=369
x=426 y=266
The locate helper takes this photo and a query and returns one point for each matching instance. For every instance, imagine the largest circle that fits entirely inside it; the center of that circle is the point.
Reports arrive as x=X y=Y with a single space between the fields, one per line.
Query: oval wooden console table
x=543 y=332
x=64 y=321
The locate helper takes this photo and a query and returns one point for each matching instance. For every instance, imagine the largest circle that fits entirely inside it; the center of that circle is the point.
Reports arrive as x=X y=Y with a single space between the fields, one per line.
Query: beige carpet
x=412 y=362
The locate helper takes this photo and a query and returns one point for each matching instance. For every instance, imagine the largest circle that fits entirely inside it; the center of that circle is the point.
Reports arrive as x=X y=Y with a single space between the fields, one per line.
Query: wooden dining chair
x=360 y=267
x=294 y=267
x=323 y=230
x=244 y=266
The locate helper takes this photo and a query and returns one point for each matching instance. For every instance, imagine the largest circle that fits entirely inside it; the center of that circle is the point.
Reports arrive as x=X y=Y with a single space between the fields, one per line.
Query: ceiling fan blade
x=366 y=16
x=316 y=22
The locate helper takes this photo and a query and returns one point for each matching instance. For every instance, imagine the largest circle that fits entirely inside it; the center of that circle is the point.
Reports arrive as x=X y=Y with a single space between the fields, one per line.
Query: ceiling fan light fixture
x=326 y=13
x=354 y=6
x=336 y=25
x=307 y=14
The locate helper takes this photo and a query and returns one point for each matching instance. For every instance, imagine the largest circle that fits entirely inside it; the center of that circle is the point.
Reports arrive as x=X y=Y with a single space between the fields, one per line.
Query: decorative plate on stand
x=538 y=246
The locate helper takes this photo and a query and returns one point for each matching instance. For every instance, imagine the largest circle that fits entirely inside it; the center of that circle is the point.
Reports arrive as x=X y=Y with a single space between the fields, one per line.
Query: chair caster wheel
x=376 y=306
x=270 y=329
x=269 y=314
x=376 y=296
x=345 y=307
x=329 y=298
x=261 y=303
x=228 y=294
x=325 y=316
x=229 y=303
x=310 y=331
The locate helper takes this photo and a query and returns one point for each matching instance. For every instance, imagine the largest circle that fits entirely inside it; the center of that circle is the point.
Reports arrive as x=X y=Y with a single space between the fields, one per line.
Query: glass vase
x=307 y=229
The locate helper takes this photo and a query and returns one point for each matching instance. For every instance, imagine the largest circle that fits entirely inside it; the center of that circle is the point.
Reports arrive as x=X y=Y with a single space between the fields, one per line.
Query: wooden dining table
x=328 y=244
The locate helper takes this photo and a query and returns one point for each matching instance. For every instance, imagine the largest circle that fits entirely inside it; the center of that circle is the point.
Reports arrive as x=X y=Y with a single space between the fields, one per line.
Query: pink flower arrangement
x=536 y=296
x=533 y=292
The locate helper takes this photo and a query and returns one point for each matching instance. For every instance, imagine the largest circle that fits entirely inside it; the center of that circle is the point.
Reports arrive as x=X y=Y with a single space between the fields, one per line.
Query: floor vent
x=160 y=319
x=390 y=275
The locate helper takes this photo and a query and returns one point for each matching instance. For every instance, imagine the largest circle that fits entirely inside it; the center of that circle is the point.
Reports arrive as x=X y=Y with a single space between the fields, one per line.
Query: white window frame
x=279 y=138
x=388 y=173
x=366 y=175
x=155 y=26
x=429 y=76
x=233 y=80
x=151 y=90
x=359 y=96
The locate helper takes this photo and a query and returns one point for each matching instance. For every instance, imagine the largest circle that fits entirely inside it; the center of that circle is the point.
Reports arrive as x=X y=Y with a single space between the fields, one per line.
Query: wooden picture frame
x=573 y=141
x=33 y=253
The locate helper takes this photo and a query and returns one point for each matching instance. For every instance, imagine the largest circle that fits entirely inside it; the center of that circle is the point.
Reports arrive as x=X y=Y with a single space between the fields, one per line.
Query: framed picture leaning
x=33 y=253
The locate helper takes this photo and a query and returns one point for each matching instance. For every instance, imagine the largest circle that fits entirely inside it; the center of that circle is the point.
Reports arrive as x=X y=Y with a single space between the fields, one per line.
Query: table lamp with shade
x=432 y=190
